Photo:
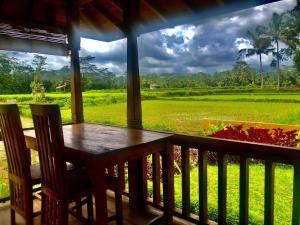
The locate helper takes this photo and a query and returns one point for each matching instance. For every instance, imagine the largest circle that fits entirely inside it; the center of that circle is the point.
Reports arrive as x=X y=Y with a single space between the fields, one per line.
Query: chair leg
x=90 y=212
x=79 y=208
x=29 y=221
x=119 y=206
x=12 y=217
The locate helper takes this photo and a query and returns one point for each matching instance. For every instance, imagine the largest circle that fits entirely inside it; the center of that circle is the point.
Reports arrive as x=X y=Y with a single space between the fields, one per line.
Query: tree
x=276 y=30
x=36 y=85
x=260 y=45
x=293 y=34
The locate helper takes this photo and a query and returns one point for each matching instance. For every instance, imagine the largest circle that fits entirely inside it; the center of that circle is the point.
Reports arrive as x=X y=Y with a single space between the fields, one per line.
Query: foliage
x=17 y=77
x=37 y=85
x=260 y=46
x=259 y=135
x=276 y=30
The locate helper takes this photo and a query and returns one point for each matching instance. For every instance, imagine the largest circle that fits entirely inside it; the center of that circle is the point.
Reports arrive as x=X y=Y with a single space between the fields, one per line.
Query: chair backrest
x=50 y=144
x=18 y=157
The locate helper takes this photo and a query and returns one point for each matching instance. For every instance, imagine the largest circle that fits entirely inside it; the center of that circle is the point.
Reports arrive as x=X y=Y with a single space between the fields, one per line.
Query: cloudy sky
x=204 y=46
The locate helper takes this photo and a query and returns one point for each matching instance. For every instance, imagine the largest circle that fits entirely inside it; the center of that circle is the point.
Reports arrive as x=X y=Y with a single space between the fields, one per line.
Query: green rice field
x=182 y=111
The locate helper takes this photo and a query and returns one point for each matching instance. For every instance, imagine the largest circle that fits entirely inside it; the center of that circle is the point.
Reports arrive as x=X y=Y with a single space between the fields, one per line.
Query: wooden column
x=134 y=108
x=136 y=169
x=74 y=47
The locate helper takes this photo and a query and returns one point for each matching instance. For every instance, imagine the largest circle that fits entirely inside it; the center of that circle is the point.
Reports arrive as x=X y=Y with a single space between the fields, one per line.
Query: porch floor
x=130 y=218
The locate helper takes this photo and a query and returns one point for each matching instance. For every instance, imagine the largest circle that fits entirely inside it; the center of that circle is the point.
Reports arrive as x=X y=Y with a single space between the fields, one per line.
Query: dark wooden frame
x=82 y=149
x=59 y=186
x=19 y=163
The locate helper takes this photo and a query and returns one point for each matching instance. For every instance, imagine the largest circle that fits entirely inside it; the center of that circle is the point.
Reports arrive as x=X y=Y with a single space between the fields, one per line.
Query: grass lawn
x=283 y=193
x=4 y=189
x=186 y=116
x=182 y=112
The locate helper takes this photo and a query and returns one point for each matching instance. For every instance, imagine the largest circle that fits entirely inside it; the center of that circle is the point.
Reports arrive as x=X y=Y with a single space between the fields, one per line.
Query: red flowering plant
x=259 y=135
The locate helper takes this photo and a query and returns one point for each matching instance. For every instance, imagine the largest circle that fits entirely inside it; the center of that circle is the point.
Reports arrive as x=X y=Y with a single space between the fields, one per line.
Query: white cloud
x=94 y=46
x=242 y=43
x=259 y=8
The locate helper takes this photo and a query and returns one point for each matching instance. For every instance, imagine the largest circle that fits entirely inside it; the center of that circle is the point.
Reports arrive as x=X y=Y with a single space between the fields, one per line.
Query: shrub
x=259 y=135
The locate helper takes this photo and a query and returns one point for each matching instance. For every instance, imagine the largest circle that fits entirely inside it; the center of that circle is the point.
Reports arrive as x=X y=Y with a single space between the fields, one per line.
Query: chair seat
x=79 y=182
x=35 y=171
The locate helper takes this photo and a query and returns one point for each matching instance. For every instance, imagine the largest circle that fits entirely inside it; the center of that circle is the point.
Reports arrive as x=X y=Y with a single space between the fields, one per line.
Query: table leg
x=97 y=175
x=168 y=183
x=137 y=184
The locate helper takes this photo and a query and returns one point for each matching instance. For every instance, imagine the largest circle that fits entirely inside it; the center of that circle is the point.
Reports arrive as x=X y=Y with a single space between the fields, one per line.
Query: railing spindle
x=202 y=187
x=222 y=187
x=296 y=195
x=269 y=192
x=156 y=178
x=185 y=164
x=244 y=190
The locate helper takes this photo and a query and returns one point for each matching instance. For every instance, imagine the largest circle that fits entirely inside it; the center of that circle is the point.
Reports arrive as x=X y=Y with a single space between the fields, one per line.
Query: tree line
x=22 y=77
x=33 y=77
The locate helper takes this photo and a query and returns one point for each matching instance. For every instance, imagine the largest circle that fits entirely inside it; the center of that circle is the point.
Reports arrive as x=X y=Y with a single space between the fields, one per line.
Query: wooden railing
x=269 y=153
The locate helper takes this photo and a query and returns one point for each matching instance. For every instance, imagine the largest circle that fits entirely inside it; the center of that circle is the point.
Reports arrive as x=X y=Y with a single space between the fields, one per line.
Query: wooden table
x=98 y=147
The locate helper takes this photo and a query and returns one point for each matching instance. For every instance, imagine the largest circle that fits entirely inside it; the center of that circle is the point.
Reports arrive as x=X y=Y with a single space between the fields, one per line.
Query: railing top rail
x=281 y=154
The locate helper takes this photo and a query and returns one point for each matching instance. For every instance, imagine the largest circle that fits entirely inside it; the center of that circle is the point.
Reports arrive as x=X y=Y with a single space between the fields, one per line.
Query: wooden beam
x=134 y=108
x=118 y=4
x=156 y=8
x=192 y=5
x=63 y=3
x=109 y=16
x=30 y=10
x=51 y=14
x=1 y=5
x=136 y=169
x=72 y=13
x=195 y=5
x=26 y=24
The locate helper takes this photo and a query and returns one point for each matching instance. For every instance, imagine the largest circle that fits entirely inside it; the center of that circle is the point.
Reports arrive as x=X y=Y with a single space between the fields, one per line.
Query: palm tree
x=276 y=30
x=260 y=45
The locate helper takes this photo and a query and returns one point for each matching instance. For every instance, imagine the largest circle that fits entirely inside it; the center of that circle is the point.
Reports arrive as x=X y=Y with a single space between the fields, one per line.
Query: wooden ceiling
x=104 y=19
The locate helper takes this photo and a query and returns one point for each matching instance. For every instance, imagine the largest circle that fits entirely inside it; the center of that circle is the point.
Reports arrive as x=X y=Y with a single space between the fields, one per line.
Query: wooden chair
x=49 y=134
x=22 y=175
x=59 y=186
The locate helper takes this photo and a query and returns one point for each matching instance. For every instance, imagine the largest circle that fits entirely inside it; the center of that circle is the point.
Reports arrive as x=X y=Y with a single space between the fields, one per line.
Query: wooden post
x=136 y=169
x=134 y=108
x=72 y=12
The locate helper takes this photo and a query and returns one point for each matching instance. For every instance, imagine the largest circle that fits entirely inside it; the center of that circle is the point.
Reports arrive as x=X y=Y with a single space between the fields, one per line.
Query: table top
x=99 y=139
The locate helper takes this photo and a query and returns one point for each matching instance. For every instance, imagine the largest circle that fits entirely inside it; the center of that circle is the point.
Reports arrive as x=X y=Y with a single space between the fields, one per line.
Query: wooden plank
x=269 y=192
x=168 y=183
x=156 y=8
x=121 y=175
x=156 y=178
x=185 y=180
x=296 y=195
x=109 y=16
x=222 y=188
x=202 y=186
x=74 y=46
x=137 y=187
x=281 y=154
x=244 y=190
